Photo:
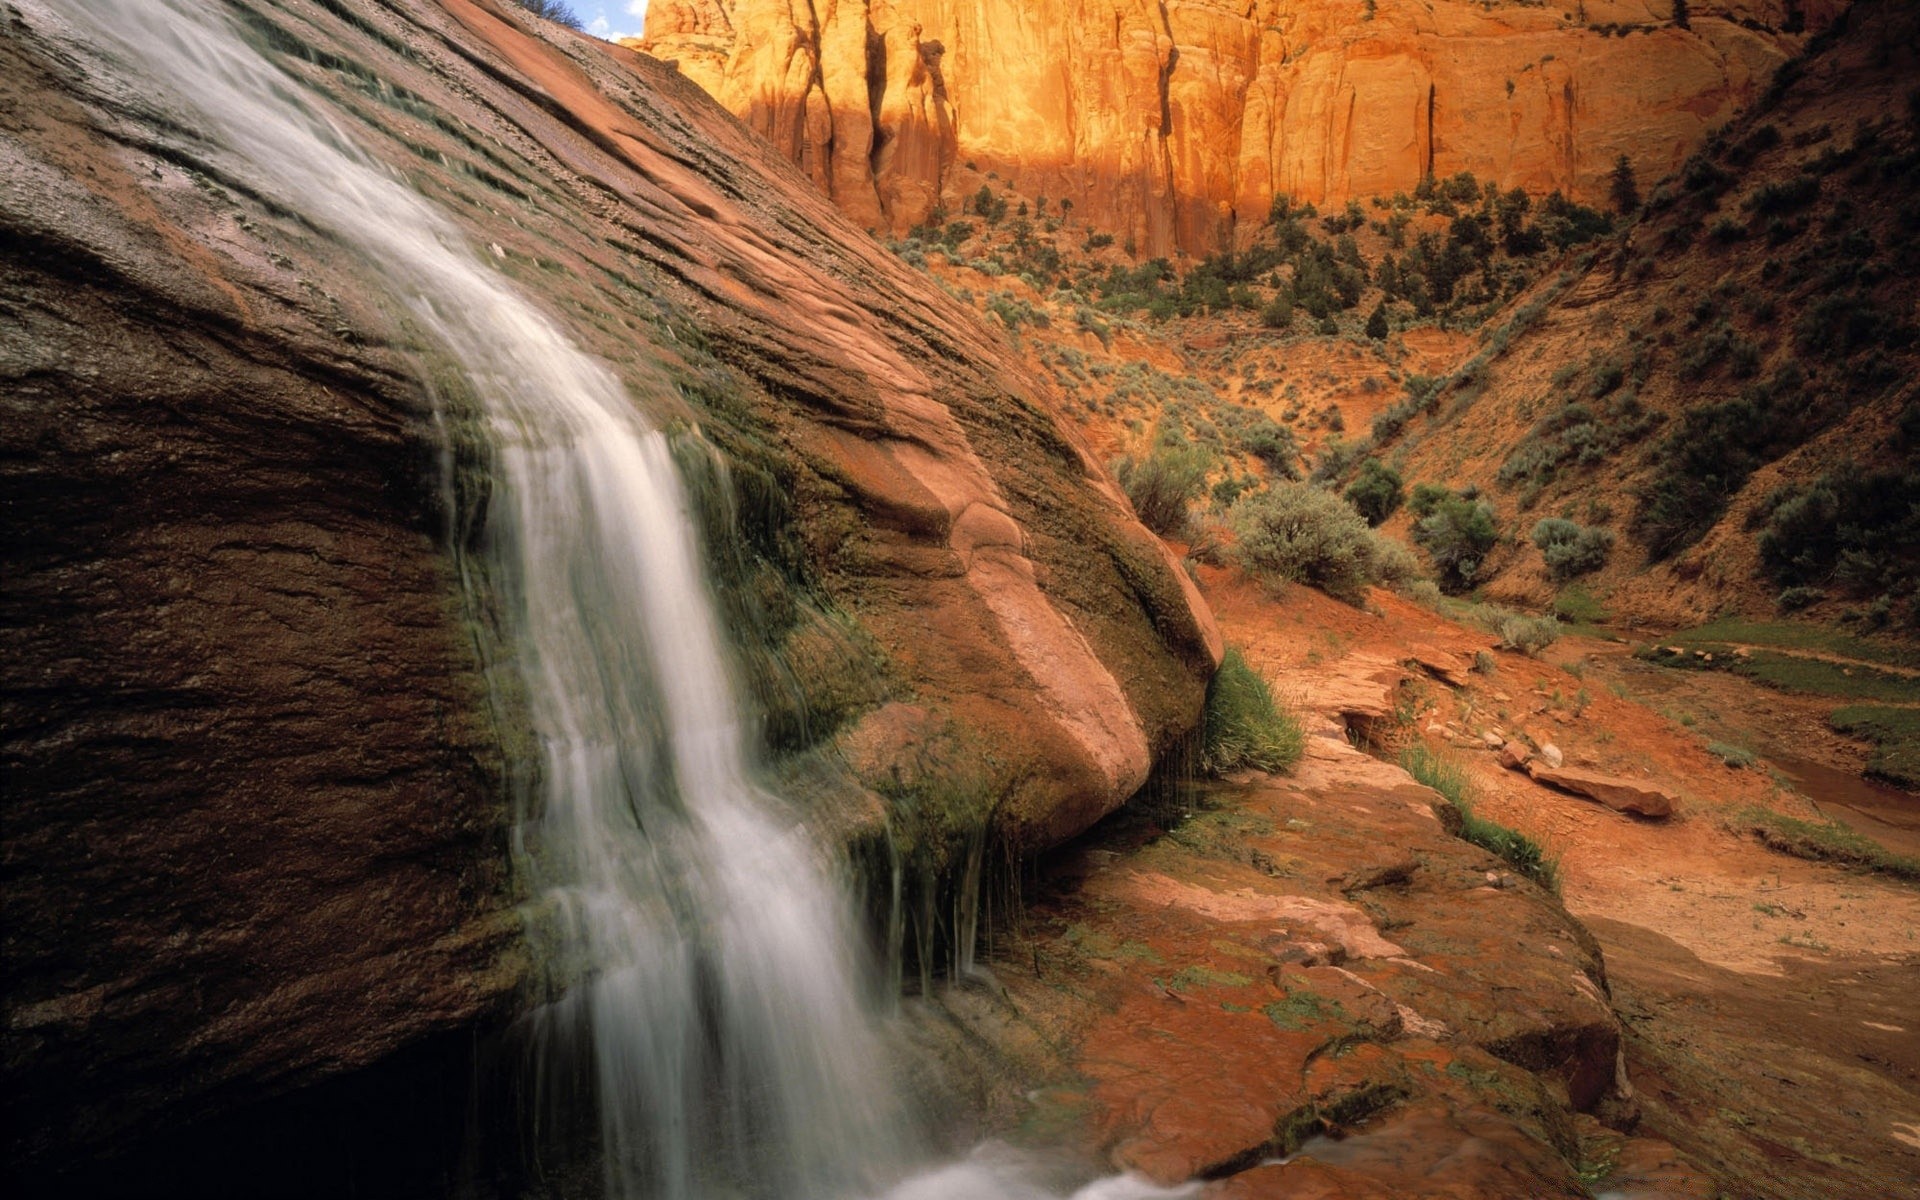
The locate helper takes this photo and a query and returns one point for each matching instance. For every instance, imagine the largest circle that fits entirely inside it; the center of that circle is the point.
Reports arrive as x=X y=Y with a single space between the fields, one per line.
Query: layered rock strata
x=256 y=779
x=1172 y=124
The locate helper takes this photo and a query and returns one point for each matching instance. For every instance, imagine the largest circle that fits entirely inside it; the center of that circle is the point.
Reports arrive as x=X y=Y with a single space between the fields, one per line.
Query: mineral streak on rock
x=1174 y=123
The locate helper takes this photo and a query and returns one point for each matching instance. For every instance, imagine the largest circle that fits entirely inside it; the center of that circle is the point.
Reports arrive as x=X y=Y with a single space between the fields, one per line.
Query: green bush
x=1825 y=841
x=1377 y=492
x=1738 y=757
x=1571 y=549
x=1516 y=631
x=1377 y=326
x=1716 y=448
x=1856 y=530
x=1302 y=533
x=1244 y=726
x=1895 y=733
x=1457 y=533
x=1273 y=444
x=1426 y=497
x=1164 y=485
x=1278 y=312
x=1520 y=851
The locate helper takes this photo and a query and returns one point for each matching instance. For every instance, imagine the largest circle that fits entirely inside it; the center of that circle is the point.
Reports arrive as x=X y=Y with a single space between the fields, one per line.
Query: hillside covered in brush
x=1725 y=393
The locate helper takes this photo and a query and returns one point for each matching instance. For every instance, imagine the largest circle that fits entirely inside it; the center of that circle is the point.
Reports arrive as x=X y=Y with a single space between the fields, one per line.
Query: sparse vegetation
x=1895 y=734
x=1164 y=484
x=1520 y=851
x=1571 y=549
x=1376 y=492
x=1305 y=534
x=1245 y=727
x=1457 y=532
x=1852 y=530
x=1824 y=841
x=1516 y=631
x=1737 y=757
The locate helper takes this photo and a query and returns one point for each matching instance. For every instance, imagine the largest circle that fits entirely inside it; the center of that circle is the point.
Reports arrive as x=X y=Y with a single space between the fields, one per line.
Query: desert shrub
x=1785 y=196
x=1842 y=323
x=1278 y=312
x=1856 y=530
x=1447 y=778
x=1377 y=326
x=1710 y=456
x=1337 y=457
x=1458 y=533
x=1164 y=485
x=1737 y=757
x=1577 y=434
x=1389 y=421
x=1302 y=533
x=1394 y=566
x=1244 y=726
x=1571 y=549
x=1426 y=497
x=1273 y=444
x=1377 y=492
x=1794 y=599
x=1516 y=631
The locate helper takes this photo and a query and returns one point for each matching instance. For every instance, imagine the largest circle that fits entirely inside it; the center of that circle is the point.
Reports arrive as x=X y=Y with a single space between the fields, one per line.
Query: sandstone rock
x=1492 y=739
x=1514 y=756
x=1174 y=124
x=1622 y=795
x=1551 y=755
x=1231 y=1082
x=256 y=829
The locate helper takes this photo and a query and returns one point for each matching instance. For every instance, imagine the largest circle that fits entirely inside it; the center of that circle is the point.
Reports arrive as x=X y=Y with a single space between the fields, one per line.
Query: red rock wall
x=1171 y=123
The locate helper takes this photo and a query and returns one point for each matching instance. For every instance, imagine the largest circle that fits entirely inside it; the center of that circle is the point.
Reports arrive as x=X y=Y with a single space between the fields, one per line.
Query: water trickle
x=699 y=952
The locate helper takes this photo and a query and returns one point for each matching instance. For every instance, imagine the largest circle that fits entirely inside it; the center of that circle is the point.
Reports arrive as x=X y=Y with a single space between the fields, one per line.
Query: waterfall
x=701 y=952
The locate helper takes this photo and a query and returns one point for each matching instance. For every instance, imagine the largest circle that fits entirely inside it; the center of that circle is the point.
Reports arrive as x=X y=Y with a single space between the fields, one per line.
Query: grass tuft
x=1825 y=841
x=1520 y=851
x=1245 y=727
x=1895 y=734
x=1738 y=757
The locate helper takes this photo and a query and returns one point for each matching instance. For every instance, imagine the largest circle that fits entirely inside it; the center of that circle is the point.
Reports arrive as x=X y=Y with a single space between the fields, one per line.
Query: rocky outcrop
x=255 y=813
x=1621 y=795
x=1171 y=124
x=1307 y=987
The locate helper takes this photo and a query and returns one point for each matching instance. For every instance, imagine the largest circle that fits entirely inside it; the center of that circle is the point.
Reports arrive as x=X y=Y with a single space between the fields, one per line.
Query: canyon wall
x=1171 y=123
x=257 y=785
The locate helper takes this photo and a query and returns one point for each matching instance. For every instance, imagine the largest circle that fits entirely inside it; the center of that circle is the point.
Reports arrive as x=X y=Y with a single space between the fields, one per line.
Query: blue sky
x=612 y=18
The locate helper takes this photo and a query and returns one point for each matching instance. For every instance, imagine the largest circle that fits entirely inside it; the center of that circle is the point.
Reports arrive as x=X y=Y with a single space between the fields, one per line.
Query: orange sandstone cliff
x=1171 y=121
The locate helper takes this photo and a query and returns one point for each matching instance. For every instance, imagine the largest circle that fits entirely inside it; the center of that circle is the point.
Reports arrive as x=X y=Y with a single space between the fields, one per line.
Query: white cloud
x=638 y=8
x=598 y=27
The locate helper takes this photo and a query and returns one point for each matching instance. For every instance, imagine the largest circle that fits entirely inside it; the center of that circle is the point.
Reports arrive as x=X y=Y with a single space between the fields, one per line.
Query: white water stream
x=704 y=954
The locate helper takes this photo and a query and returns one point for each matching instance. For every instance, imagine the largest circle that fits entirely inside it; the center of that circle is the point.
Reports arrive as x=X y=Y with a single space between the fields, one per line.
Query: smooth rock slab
x=1621 y=795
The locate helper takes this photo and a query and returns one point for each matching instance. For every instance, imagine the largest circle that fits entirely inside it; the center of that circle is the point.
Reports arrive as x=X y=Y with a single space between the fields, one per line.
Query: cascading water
x=703 y=960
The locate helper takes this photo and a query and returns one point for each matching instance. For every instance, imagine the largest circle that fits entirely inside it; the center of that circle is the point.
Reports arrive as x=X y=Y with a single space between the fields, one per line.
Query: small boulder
x=1492 y=739
x=1514 y=756
x=1550 y=754
x=1621 y=795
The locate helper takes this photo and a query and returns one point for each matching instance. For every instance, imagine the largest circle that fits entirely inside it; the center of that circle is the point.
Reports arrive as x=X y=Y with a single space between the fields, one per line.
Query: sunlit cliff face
x=1173 y=124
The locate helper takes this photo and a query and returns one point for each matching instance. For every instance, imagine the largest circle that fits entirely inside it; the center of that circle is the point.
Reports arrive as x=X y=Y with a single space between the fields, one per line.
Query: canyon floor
x=1303 y=986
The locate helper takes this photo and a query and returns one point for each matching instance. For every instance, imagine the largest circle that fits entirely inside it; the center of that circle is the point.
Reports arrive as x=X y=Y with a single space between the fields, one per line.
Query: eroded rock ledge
x=256 y=817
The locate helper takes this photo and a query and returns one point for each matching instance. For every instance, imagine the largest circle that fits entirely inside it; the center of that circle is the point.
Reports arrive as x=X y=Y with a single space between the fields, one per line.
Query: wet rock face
x=1306 y=987
x=255 y=801
x=1172 y=123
